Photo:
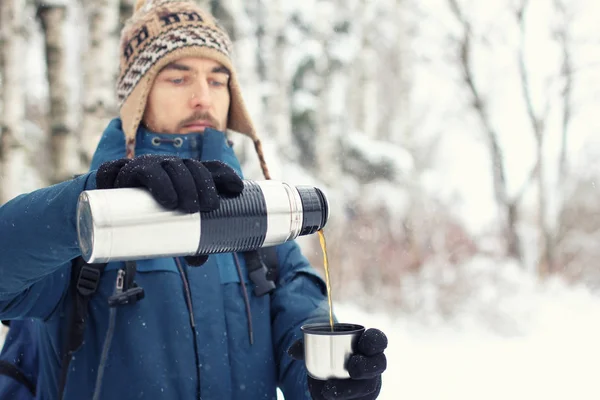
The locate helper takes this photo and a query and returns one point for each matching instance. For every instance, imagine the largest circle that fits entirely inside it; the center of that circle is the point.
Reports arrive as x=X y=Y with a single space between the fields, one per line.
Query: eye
x=217 y=82
x=177 y=81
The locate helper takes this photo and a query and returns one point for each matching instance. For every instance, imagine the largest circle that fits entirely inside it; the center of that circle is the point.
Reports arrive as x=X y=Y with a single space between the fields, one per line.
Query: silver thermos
x=128 y=224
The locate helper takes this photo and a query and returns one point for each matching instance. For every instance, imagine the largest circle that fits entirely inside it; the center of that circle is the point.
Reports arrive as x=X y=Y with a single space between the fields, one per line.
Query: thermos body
x=128 y=224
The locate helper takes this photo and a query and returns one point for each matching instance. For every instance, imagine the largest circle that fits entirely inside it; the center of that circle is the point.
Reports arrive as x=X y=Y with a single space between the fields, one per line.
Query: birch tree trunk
x=2 y=84
x=243 y=32
x=567 y=71
x=239 y=18
x=277 y=92
x=2 y=44
x=246 y=53
x=566 y=44
x=63 y=148
x=13 y=154
x=100 y=64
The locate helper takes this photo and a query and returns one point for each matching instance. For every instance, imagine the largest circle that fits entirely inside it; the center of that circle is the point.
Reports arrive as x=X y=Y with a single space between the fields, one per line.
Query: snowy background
x=551 y=351
x=441 y=130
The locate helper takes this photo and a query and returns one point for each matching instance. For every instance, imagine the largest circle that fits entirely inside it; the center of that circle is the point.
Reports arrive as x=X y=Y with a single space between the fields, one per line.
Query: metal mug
x=326 y=352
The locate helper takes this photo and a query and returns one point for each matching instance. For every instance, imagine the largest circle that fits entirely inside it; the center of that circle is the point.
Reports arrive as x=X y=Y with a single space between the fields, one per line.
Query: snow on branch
x=369 y=159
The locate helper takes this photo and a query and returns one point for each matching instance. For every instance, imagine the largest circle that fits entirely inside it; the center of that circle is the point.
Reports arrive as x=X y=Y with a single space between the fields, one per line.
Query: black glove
x=182 y=184
x=365 y=368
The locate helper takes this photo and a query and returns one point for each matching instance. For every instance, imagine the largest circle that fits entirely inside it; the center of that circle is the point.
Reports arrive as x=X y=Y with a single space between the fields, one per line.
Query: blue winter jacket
x=189 y=338
x=19 y=351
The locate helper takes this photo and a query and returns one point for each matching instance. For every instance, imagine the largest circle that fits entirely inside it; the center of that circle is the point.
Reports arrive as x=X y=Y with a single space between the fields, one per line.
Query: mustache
x=203 y=115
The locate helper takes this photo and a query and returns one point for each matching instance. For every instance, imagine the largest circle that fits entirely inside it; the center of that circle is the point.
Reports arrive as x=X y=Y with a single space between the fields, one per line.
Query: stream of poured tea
x=326 y=266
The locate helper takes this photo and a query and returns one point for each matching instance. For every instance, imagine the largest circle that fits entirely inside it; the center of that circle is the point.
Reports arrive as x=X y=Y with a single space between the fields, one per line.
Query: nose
x=200 y=97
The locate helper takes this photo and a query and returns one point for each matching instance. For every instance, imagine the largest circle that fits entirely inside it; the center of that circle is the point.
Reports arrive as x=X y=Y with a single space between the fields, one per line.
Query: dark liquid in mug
x=337 y=328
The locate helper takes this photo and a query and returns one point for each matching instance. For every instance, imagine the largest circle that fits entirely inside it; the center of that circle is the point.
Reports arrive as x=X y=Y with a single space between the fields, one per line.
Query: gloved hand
x=182 y=184
x=365 y=368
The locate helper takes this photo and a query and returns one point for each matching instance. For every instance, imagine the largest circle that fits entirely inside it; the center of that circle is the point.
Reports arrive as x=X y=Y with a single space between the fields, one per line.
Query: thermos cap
x=315 y=209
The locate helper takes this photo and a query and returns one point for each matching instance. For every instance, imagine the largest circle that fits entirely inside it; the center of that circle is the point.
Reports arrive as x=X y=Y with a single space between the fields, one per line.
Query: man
x=200 y=331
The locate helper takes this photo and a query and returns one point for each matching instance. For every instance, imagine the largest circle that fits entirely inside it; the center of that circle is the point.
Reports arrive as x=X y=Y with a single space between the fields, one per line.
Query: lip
x=198 y=125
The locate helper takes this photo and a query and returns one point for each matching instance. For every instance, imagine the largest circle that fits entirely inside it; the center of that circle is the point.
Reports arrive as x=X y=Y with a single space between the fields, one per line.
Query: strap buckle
x=129 y=296
x=88 y=280
x=260 y=278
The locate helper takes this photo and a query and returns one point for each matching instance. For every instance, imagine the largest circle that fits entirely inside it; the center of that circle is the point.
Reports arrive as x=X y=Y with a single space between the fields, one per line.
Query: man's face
x=188 y=95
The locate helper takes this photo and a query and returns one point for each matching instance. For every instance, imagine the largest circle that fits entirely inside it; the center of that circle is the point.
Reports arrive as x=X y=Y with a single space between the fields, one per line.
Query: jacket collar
x=209 y=145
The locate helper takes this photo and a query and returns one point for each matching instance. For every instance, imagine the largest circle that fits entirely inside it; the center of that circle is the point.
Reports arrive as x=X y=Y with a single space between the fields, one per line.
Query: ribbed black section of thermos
x=315 y=211
x=238 y=224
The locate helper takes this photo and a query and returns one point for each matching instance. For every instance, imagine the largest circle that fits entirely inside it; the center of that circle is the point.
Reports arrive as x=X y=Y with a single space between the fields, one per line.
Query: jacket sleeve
x=299 y=298
x=38 y=239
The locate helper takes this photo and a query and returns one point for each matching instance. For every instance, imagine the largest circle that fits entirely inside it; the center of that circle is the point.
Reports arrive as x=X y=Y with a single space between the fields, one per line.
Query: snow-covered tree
x=14 y=156
x=100 y=67
x=62 y=141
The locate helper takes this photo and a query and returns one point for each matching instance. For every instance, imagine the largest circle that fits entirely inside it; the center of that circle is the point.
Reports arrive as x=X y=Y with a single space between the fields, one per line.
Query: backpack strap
x=271 y=260
x=85 y=279
x=262 y=268
x=15 y=373
x=131 y=293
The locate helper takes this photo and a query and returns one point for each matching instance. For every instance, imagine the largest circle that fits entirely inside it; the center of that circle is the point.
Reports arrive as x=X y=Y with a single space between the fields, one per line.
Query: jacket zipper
x=188 y=300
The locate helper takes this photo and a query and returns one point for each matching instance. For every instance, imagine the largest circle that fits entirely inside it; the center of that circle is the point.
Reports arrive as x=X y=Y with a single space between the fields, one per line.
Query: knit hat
x=159 y=33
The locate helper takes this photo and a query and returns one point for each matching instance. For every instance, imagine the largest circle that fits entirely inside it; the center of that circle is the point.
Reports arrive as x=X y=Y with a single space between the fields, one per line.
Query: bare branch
x=537 y=123
x=457 y=11
x=547 y=256
x=499 y=178
x=533 y=173
x=480 y=106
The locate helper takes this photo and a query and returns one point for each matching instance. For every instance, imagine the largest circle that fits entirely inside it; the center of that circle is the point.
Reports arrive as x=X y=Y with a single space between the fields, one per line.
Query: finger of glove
x=373 y=395
x=208 y=198
x=371 y=342
x=196 y=261
x=151 y=176
x=363 y=367
x=107 y=173
x=335 y=389
x=184 y=185
x=296 y=350
x=227 y=181
x=315 y=388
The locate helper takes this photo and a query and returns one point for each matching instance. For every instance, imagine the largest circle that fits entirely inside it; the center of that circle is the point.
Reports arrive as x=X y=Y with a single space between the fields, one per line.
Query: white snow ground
x=556 y=359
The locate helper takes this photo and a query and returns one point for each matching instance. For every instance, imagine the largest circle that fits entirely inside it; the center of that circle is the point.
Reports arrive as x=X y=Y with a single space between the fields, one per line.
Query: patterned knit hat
x=159 y=33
